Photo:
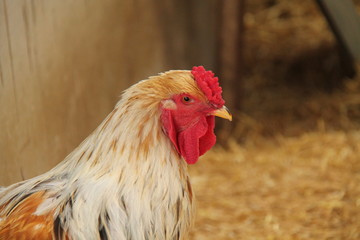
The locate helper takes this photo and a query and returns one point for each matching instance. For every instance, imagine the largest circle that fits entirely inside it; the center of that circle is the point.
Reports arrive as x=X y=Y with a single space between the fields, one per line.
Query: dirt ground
x=292 y=166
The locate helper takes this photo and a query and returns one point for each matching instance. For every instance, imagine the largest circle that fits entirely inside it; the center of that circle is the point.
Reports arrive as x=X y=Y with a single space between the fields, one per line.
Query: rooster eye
x=186 y=99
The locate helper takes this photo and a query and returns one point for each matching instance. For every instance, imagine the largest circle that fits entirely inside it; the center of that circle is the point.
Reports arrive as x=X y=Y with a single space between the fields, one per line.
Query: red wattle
x=169 y=126
x=196 y=140
x=193 y=141
x=207 y=141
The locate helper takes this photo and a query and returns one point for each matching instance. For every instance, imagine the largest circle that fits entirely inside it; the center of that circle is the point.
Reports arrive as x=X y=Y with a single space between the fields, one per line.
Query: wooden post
x=345 y=24
x=230 y=43
x=229 y=60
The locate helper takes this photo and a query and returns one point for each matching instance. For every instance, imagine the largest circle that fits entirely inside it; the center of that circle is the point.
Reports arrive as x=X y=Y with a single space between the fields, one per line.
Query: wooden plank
x=63 y=65
x=345 y=22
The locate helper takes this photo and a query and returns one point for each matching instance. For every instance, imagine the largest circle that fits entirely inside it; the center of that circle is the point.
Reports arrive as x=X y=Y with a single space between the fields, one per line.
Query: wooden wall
x=64 y=63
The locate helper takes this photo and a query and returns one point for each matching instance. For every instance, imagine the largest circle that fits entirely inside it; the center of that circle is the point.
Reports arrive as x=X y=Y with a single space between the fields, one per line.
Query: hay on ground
x=292 y=167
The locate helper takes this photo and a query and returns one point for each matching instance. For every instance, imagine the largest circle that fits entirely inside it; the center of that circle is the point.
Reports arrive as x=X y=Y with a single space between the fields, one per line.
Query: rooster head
x=187 y=115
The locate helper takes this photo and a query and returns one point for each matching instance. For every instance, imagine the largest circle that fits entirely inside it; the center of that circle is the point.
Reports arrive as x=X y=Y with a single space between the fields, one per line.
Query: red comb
x=209 y=85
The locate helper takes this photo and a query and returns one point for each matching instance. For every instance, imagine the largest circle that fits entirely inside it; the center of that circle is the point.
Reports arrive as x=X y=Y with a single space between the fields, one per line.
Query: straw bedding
x=304 y=187
x=291 y=169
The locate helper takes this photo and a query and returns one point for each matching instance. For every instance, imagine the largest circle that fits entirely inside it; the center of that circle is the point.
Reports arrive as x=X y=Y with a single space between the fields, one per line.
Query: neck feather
x=131 y=136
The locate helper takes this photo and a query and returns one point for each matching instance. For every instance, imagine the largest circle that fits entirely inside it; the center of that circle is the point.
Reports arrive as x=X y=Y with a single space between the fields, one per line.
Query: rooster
x=128 y=179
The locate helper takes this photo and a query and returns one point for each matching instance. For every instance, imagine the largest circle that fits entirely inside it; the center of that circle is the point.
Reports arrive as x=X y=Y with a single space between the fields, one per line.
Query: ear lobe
x=168 y=104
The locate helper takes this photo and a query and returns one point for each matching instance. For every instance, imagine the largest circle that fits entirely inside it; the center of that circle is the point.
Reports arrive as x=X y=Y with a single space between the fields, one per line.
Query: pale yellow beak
x=223 y=113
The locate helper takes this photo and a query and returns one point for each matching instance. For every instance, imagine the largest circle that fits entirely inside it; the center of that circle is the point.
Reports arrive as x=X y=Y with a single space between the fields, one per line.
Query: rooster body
x=128 y=179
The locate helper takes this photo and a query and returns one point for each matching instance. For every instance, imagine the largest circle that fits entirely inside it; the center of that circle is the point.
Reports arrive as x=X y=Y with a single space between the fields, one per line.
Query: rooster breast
x=147 y=208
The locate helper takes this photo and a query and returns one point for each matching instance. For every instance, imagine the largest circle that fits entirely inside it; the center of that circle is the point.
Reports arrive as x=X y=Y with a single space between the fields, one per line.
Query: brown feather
x=21 y=223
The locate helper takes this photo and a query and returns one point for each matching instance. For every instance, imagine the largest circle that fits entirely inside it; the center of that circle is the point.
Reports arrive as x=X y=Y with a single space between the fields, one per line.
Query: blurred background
x=288 y=167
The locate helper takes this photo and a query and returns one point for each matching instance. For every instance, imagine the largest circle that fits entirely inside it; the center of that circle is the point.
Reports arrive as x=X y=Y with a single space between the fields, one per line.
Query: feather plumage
x=125 y=181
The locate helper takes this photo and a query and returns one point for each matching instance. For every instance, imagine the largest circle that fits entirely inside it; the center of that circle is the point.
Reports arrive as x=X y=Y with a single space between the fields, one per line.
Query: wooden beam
x=344 y=21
